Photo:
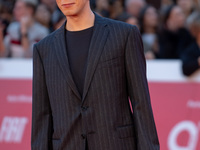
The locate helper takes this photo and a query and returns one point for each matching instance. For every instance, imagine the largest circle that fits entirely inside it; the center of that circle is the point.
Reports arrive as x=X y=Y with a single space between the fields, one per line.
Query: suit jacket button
x=83 y=136
x=84 y=108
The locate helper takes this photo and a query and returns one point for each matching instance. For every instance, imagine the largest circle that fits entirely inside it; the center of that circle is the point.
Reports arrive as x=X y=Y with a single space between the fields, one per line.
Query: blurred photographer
x=24 y=32
x=191 y=56
x=173 y=37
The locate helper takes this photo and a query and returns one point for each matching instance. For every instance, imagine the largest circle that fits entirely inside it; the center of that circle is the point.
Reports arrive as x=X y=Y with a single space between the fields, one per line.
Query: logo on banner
x=191 y=128
x=12 y=129
x=19 y=98
x=193 y=104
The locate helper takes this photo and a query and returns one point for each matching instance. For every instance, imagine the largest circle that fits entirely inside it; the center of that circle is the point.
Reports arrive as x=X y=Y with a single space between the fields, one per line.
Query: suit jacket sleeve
x=41 y=111
x=146 y=134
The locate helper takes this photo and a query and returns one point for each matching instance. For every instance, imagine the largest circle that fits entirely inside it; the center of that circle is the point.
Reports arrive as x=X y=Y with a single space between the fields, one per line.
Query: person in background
x=5 y=19
x=115 y=8
x=102 y=7
x=43 y=16
x=61 y=19
x=6 y=8
x=125 y=17
x=148 y=19
x=155 y=3
x=165 y=3
x=133 y=7
x=187 y=6
x=191 y=56
x=173 y=38
x=2 y=27
x=55 y=12
x=51 y=4
x=24 y=32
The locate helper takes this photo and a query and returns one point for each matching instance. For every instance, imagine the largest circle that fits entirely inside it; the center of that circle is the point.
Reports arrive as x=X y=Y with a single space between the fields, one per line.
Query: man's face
x=72 y=7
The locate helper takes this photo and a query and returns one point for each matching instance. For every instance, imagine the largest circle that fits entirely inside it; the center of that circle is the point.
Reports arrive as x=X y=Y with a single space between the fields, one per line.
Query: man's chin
x=70 y=13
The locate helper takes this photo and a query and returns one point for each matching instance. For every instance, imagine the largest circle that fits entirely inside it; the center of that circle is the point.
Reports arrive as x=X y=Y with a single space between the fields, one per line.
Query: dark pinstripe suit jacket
x=116 y=71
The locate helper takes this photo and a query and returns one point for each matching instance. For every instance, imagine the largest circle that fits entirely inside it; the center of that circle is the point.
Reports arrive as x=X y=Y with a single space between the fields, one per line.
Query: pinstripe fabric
x=116 y=71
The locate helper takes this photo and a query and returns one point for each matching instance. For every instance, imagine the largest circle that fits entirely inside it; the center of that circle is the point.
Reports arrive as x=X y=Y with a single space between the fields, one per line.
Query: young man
x=83 y=76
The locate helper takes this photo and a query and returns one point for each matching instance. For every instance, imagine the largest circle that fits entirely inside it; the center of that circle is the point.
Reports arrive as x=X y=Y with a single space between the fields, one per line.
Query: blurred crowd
x=170 y=29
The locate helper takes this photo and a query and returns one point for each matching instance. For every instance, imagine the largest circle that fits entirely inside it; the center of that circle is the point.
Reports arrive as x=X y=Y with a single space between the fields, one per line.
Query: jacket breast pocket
x=113 y=62
x=125 y=131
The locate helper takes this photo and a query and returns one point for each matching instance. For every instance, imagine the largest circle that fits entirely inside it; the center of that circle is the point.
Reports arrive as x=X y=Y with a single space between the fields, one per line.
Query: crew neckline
x=80 y=31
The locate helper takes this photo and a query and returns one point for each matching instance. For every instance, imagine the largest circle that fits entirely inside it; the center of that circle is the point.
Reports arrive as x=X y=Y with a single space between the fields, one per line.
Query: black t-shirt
x=78 y=43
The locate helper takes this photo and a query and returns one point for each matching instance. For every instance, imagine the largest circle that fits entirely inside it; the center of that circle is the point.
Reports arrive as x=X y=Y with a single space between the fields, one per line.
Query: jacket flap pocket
x=125 y=131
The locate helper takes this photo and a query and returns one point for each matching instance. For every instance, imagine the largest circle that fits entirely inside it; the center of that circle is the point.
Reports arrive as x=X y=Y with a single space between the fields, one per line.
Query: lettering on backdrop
x=191 y=128
x=19 y=98
x=12 y=129
x=193 y=104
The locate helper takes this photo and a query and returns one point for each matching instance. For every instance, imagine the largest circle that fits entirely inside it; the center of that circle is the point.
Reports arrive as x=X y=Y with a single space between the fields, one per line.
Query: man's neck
x=80 y=22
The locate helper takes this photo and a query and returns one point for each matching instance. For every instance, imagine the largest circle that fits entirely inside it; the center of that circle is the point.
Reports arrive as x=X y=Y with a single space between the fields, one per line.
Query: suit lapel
x=97 y=43
x=100 y=33
x=61 y=54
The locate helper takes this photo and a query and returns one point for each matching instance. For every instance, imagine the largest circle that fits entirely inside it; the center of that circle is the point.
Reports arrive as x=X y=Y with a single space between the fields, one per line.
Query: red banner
x=176 y=109
x=15 y=114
